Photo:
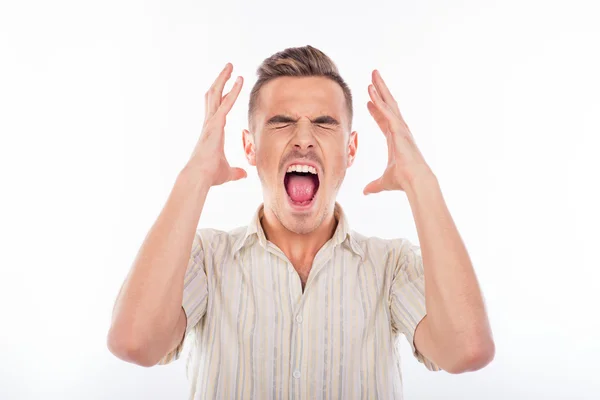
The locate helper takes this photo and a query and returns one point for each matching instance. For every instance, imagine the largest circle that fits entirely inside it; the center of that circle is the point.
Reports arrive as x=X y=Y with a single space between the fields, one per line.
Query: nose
x=304 y=138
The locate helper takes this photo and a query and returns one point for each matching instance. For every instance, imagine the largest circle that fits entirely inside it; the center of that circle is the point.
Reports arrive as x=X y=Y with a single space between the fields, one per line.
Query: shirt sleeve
x=407 y=295
x=195 y=296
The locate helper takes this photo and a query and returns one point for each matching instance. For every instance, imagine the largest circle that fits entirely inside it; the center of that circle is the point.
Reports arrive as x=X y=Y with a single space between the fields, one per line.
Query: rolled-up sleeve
x=195 y=296
x=407 y=294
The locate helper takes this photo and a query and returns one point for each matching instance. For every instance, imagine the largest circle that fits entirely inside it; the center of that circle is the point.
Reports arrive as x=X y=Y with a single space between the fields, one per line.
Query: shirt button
x=296 y=374
x=299 y=319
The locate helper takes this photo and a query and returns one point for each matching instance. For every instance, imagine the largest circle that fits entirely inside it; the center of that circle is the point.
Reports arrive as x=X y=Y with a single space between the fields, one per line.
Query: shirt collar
x=342 y=234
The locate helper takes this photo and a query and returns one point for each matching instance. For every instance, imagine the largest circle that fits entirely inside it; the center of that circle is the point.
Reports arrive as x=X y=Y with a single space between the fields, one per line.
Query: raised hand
x=405 y=161
x=209 y=154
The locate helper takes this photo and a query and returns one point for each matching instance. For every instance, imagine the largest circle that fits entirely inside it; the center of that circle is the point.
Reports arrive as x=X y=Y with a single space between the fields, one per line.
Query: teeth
x=302 y=168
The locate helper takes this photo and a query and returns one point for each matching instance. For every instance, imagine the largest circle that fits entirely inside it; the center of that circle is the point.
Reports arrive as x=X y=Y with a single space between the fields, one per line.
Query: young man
x=296 y=304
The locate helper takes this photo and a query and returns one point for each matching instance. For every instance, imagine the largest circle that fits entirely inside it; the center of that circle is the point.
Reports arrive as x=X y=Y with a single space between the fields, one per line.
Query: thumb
x=373 y=187
x=237 y=173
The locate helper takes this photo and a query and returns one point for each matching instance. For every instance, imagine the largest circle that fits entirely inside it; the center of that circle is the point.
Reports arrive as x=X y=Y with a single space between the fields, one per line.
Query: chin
x=300 y=227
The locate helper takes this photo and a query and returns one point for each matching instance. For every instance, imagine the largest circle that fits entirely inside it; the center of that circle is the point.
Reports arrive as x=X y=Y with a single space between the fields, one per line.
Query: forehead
x=302 y=96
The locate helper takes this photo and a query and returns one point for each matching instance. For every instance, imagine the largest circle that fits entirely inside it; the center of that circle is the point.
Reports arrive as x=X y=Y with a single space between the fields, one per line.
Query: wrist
x=195 y=176
x=422 y=180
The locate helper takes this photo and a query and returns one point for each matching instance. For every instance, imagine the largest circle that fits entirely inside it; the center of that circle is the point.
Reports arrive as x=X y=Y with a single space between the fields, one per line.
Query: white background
x=101 y=104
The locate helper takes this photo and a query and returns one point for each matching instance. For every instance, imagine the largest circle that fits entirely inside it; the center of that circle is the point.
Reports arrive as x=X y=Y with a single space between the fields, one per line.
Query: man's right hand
x=208 y=157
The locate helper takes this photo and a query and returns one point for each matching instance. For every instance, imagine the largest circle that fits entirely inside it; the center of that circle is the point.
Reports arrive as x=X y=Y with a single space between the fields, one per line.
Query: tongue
x=300 y=188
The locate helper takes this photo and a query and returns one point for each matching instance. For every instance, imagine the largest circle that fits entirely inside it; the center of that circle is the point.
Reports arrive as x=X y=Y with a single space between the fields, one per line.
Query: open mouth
x=301 y=184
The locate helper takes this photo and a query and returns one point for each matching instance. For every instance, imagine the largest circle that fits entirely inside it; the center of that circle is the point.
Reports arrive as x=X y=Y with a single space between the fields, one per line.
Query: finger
x=214 y=93
x=382 y=88
x=381 y=105
x=385 y=94
x=207 y=102
x=237 y=173
x=373 y=187
x=378 y=117
x=383 y=125
x=225 y=96
x=230 y=98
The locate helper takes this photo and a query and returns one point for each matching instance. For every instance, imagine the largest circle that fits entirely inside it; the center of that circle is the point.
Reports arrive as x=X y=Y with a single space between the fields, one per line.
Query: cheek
x=266 y=163
x=338 y=154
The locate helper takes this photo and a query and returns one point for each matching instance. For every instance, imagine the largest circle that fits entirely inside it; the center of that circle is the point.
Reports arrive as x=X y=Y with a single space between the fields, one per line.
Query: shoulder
x=217 y=240
x=393 y=254
x=383 y=246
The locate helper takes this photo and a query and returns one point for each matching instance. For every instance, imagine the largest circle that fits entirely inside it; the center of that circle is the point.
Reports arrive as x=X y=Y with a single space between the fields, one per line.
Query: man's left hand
x=405 y=161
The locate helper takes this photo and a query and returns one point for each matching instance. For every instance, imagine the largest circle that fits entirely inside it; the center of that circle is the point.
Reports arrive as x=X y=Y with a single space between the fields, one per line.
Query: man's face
x=301 y=147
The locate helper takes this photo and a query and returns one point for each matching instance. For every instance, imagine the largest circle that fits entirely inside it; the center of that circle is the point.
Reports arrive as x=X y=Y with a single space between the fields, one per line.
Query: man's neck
x=299 y=248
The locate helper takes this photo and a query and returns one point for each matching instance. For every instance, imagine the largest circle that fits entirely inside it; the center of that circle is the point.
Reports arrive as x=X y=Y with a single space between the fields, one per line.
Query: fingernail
x=238 y=80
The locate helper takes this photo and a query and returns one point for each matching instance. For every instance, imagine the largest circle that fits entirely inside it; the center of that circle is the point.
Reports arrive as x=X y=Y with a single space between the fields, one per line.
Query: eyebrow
x=323 y=119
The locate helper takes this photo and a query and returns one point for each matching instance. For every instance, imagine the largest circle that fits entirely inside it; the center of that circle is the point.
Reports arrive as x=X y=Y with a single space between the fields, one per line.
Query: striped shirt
x=255 y=334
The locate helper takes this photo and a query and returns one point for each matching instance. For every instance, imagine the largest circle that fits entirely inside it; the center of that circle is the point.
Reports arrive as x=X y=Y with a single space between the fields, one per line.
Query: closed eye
x=319 y=125
x=324 y=127
x=323 y=121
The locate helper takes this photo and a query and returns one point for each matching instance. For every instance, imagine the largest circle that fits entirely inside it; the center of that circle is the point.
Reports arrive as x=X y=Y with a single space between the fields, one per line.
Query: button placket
x=297 y=331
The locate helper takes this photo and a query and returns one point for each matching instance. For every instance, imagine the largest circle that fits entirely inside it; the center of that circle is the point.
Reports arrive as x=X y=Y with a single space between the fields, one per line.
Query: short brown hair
x=297 y=61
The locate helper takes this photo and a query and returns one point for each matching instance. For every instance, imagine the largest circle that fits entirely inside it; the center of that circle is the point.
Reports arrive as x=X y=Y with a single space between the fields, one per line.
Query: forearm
x=149 y=302
x=455 y=310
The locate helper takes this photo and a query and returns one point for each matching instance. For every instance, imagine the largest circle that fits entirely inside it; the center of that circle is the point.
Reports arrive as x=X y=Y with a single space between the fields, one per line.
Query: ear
x=248 y=141
x=352 y=146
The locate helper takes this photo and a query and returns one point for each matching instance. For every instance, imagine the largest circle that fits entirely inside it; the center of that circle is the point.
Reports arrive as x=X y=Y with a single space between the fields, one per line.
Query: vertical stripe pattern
x=253 y=333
